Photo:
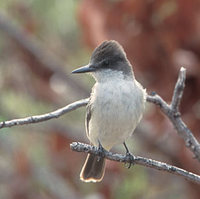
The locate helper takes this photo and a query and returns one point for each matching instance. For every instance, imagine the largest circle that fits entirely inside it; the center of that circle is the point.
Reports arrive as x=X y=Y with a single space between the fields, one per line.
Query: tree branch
x=178 y=90
x=172 y=112
x=41 y=118
x=80 y=147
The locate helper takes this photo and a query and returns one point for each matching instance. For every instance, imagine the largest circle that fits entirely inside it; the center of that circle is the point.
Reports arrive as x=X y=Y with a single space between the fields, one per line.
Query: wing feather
x=89 y=110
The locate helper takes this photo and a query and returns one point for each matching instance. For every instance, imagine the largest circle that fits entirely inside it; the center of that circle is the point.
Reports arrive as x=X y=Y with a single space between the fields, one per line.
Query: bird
x=116 y=105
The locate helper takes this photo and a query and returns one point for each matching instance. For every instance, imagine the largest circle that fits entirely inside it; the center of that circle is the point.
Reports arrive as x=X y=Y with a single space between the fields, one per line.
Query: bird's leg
x=101 y=151
x=129 y=156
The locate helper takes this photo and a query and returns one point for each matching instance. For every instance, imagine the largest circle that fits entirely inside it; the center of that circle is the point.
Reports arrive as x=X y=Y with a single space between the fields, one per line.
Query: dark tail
x=93 y=169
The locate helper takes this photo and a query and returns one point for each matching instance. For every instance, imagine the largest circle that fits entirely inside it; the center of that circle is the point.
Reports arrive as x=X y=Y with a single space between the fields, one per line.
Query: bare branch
x=172 y=112
x=80 y=147
x=178 y=90
x=44 y=117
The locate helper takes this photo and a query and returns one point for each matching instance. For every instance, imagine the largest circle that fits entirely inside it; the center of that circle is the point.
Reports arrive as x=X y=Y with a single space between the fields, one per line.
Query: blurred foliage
x=41 y=42
x=134 y=185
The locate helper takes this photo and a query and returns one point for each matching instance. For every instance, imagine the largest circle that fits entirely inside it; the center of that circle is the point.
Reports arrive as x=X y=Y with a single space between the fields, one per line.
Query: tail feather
x=93 y=169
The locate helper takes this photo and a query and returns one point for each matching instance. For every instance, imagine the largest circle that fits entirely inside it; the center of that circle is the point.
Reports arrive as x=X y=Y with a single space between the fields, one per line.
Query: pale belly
x=116 y=114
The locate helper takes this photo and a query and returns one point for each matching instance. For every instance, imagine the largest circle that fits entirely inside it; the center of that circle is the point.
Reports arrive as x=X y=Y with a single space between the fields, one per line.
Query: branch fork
x=172 y=112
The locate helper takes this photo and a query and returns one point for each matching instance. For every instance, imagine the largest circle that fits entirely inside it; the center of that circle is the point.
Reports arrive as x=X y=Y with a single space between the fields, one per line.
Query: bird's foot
x=129 y=160
x=101 y=151
x=129 y=157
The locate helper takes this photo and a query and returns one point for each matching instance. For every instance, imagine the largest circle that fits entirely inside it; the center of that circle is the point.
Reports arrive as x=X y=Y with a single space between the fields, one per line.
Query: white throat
x=110 y=75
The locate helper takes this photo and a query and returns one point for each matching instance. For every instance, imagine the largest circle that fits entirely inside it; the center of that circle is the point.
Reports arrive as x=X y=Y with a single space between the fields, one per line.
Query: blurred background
x=41 y=42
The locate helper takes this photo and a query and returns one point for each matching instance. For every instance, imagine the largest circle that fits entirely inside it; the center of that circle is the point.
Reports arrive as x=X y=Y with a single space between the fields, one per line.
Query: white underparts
x=118 y=104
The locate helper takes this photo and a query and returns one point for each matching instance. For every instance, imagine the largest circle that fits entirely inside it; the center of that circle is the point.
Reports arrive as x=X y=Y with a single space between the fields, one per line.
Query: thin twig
x=45 y=117
x=178 y=90
x=80 y=147
x=171 y=111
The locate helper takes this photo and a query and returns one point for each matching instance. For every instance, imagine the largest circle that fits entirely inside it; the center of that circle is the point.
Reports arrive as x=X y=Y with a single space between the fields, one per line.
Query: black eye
x=106 y=62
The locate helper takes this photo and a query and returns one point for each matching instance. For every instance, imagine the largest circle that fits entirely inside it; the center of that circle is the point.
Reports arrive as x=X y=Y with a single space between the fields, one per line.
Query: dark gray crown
x=111 y=55
x=108 y=49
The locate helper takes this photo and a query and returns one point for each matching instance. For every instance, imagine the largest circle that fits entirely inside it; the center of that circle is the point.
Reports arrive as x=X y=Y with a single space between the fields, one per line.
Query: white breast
x=118 y=105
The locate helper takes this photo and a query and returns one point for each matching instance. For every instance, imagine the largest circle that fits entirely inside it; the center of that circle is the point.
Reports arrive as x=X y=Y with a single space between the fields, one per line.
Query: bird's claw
x=101 y=151
x=129 y=159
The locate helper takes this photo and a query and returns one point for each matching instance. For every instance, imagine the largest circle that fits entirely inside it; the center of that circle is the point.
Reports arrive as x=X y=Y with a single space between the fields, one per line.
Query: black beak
x=85 y=69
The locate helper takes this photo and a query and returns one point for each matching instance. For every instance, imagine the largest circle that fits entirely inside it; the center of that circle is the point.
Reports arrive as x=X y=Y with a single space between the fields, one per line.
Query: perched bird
x=115 y=107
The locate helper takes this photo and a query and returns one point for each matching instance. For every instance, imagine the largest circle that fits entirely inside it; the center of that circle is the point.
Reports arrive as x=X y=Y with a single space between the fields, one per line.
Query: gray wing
x=89 y=110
